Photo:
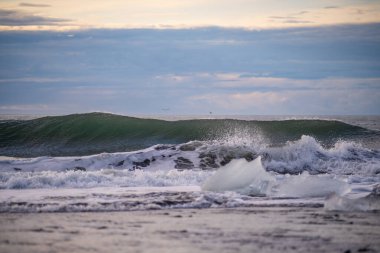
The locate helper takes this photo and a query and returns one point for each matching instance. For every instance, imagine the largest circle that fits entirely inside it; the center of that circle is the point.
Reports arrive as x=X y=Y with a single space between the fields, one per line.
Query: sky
x=246 y=57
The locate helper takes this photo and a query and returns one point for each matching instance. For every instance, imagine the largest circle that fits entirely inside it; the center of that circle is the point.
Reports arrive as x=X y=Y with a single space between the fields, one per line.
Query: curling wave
x=93 y=133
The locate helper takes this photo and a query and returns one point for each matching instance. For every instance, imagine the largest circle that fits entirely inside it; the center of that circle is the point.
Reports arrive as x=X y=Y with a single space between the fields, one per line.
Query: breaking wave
x=93 y=133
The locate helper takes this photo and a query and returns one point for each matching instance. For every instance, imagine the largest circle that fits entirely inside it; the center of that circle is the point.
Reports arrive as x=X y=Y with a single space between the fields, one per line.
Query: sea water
x=103 y=162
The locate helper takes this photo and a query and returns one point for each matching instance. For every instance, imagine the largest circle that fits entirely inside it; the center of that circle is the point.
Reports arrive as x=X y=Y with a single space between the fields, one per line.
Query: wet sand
x=254 y=229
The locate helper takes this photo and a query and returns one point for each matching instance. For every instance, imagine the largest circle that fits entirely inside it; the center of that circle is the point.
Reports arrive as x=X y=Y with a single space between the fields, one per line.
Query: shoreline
x=248 y=229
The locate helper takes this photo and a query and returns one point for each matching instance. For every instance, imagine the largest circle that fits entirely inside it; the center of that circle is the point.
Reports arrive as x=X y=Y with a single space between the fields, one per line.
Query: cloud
x=331 y=7
x=20 y=18
x=36 y=80
x=119 y=55
x=108 y=91
x=295 y=21
x=241 y=101
x=291 y=19
x=23 y=107
x=279 y=71
x=359 y=12
x=300 y=13
x=323 y=102
x=279 y=17
x=259 y=81
x=232 y=93
x=34 y=5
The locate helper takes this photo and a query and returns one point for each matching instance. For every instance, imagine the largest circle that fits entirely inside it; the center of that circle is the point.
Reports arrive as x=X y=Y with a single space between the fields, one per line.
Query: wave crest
x=93 y=133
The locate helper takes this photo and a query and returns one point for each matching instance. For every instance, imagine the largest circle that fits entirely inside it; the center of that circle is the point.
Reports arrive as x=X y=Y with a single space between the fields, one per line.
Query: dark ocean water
x=86 y=134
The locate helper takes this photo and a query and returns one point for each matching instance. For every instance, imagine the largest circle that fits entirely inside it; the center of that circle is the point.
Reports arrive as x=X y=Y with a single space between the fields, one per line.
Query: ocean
x=106 y=162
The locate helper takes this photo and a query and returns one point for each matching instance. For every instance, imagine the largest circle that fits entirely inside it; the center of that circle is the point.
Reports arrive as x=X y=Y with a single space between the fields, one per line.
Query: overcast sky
x=190 y=57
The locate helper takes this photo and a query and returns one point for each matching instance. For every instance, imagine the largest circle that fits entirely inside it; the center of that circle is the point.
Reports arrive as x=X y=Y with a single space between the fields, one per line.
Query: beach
x=189 y=126
x=253 y=229
x=215 y=185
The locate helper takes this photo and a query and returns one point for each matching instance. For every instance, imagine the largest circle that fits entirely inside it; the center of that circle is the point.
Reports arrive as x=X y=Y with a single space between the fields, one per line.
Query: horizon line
x=180 y=27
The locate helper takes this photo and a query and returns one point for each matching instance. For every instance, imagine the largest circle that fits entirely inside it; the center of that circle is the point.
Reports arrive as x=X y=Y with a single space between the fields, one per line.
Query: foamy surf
x=250 y=178
x=240 y=183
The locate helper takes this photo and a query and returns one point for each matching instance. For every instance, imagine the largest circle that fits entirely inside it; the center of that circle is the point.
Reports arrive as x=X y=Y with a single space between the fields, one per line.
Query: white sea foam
x=345 y=160
x=105 y=177
x=306 y=185
x=306 y=154
x=370 y=202
x=235 y=185
x=131 y=198
x=251 y=178
x=239 y=175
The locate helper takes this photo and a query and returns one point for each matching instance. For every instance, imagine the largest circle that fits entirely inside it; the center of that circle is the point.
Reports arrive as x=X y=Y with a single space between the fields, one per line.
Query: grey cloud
x=300 y=13
x=145 y=70
x=332 y=7
x=19 y=18
x=280 y=17
x=289 y=20
x=34 y=5
x=290 y=16
x=296 y=21
x=360 y=12
x=119 y=55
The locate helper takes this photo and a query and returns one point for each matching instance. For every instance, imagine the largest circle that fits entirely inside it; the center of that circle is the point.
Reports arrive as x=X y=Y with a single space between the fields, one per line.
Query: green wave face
x=84 y=134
